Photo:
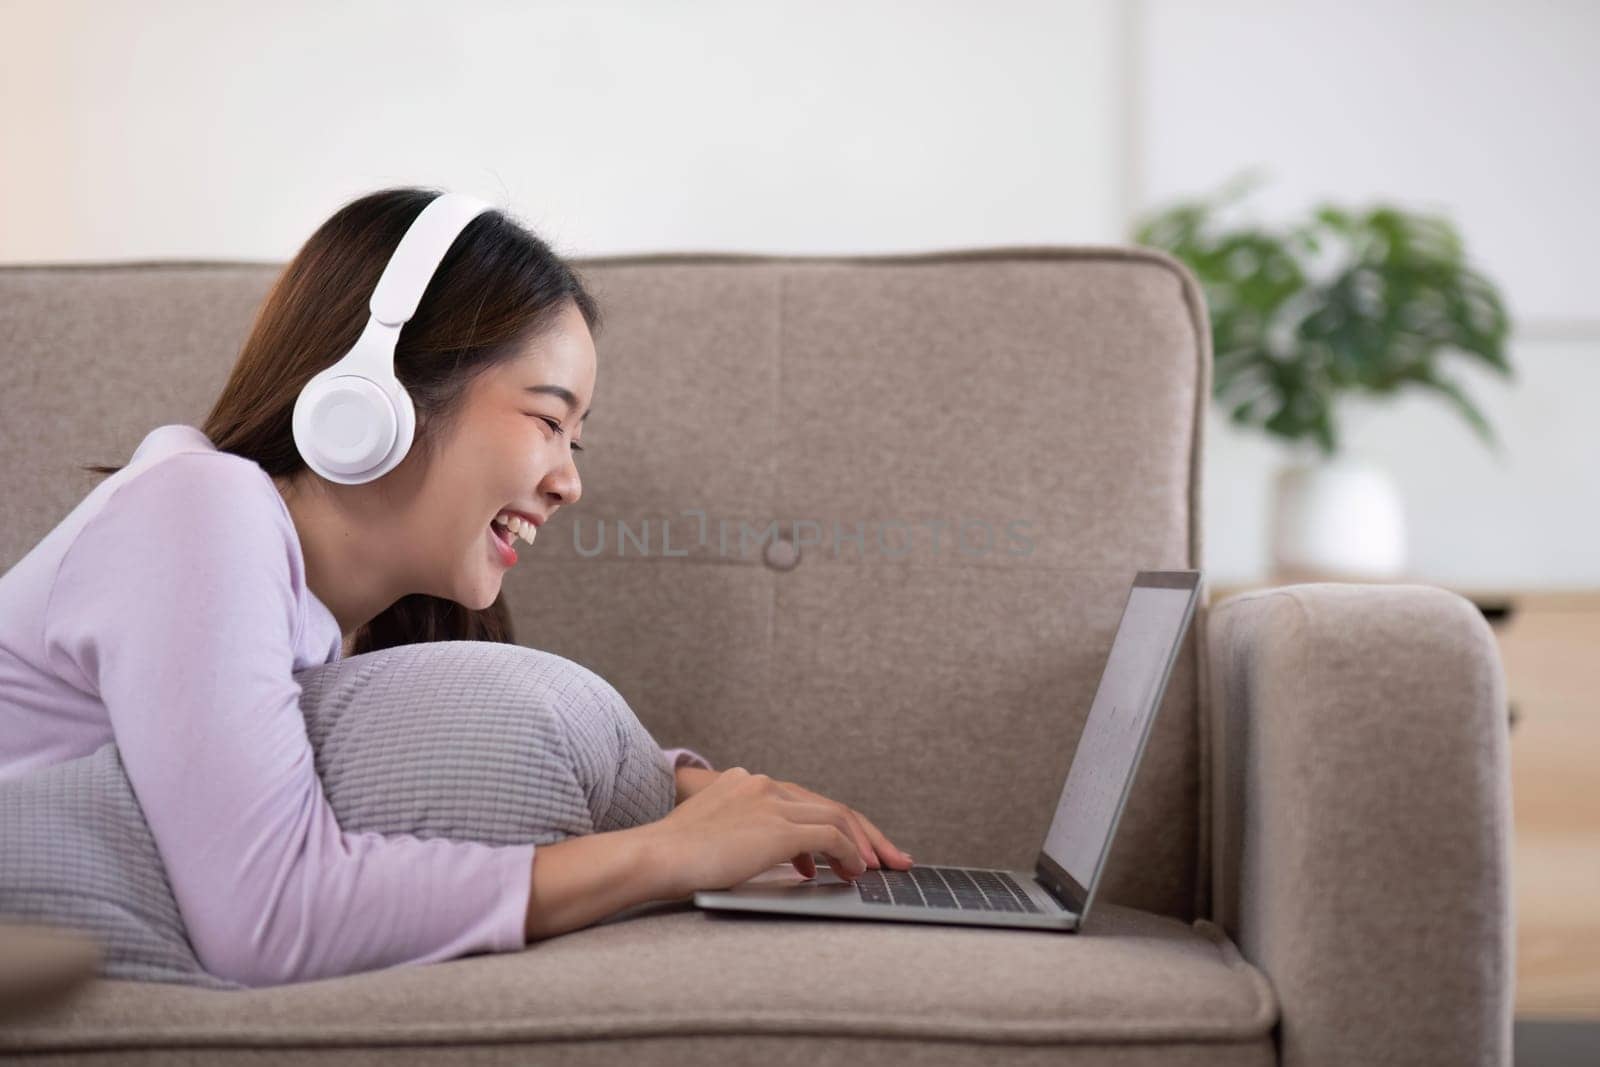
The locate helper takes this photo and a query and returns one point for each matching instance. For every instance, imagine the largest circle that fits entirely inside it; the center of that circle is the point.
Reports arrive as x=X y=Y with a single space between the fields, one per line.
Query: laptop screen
x=1146 y=646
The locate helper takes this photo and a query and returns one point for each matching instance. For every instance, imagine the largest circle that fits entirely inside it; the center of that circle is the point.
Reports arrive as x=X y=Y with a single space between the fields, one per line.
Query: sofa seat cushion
x=678 y=985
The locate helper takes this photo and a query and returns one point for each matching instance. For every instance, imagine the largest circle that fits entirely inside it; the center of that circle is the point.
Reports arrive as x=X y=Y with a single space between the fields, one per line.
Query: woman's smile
x=507 y=528
x=501 y=545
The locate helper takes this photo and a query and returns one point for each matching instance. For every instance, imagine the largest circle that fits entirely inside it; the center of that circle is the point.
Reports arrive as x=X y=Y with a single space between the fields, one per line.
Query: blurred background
x=1407 y=298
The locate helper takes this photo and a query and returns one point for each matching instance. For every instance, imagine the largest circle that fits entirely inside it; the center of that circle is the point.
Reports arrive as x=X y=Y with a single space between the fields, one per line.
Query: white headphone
x=354 y=422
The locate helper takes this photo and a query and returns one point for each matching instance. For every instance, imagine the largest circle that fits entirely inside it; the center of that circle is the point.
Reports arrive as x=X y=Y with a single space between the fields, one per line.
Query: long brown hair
x=497 y=288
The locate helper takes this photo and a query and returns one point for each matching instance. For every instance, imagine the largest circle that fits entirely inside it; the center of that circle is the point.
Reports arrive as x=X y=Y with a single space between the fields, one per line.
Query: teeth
x=517 y=525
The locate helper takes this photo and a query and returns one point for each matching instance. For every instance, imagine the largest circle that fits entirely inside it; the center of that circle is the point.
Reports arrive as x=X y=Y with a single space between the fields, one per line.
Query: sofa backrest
x=862 y=523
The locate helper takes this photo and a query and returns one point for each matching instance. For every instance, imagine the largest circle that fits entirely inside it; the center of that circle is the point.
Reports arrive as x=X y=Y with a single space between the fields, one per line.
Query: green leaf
x=1467 y=408
x=1400 y=298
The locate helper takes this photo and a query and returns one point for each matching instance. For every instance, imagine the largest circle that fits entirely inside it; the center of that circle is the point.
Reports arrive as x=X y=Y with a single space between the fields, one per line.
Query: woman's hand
x=691 y=780
x=869 y=839
x=740 y=824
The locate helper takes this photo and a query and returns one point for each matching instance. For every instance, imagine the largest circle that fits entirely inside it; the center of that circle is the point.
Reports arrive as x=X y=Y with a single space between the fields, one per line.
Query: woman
x=171 y=610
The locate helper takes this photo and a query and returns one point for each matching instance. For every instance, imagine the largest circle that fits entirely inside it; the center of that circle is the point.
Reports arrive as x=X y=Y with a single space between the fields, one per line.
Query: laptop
x=1058 y=892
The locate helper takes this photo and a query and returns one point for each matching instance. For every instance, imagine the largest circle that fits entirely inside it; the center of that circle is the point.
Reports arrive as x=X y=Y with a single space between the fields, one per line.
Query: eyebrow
x=560 y=393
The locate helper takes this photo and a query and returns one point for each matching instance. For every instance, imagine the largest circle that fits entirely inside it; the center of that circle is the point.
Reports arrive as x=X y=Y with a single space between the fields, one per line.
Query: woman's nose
x=563 y=485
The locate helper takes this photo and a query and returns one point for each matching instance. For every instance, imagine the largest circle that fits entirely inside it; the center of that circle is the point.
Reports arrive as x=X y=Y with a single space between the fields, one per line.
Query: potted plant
x=1347 y=304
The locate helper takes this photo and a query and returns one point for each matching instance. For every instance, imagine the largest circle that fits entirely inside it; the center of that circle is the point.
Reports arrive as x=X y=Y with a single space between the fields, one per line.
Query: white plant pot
x=1339 y=519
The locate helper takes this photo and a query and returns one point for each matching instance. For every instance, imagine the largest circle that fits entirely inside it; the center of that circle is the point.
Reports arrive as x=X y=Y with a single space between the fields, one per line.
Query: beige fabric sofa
x=1312 y=868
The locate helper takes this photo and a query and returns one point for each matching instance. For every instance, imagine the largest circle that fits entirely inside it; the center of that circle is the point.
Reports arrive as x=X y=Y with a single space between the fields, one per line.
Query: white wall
x=229 y=129
x=166 y=128
x=1486 y=111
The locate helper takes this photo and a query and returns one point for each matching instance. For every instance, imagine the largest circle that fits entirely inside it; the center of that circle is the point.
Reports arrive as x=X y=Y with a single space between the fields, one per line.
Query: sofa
x=828 y=468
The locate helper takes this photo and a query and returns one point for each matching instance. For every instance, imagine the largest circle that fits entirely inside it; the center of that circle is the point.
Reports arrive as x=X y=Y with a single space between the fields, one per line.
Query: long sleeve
x=177 y=604
x=685 y=757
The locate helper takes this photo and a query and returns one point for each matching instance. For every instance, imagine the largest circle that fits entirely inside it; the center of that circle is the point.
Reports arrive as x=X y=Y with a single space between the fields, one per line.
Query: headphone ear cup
x=350 y=429
x=405 y=413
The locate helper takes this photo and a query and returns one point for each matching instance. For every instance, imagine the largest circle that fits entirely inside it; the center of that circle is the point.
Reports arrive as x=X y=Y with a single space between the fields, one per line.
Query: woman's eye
x=556 y=426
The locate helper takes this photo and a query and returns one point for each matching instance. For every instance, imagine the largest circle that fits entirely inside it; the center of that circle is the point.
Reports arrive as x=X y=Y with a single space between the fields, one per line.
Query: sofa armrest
x=1361 y=818
x=40 y=965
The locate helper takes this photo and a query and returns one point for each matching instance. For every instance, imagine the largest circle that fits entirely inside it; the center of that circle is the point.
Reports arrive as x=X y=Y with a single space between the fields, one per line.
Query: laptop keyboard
x=944 y=887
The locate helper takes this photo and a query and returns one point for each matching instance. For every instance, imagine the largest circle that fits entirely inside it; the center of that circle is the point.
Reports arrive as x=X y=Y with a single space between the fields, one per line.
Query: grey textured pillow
x=468 y=740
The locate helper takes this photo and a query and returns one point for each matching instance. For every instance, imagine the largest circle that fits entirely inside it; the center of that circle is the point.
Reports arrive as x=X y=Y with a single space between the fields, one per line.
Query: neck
x=342 y=569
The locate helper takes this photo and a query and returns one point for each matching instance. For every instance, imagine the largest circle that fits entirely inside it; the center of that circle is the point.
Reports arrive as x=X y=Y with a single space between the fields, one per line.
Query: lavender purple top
x=169 y=611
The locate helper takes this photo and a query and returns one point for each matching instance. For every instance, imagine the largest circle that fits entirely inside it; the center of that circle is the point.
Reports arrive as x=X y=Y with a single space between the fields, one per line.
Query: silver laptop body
x=1057 y=894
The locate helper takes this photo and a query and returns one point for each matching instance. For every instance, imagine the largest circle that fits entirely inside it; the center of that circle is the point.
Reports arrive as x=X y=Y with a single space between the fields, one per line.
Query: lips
x=505 y=549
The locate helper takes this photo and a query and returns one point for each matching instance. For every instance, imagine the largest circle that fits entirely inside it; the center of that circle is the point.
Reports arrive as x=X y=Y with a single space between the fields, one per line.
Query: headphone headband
x=418 y=255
